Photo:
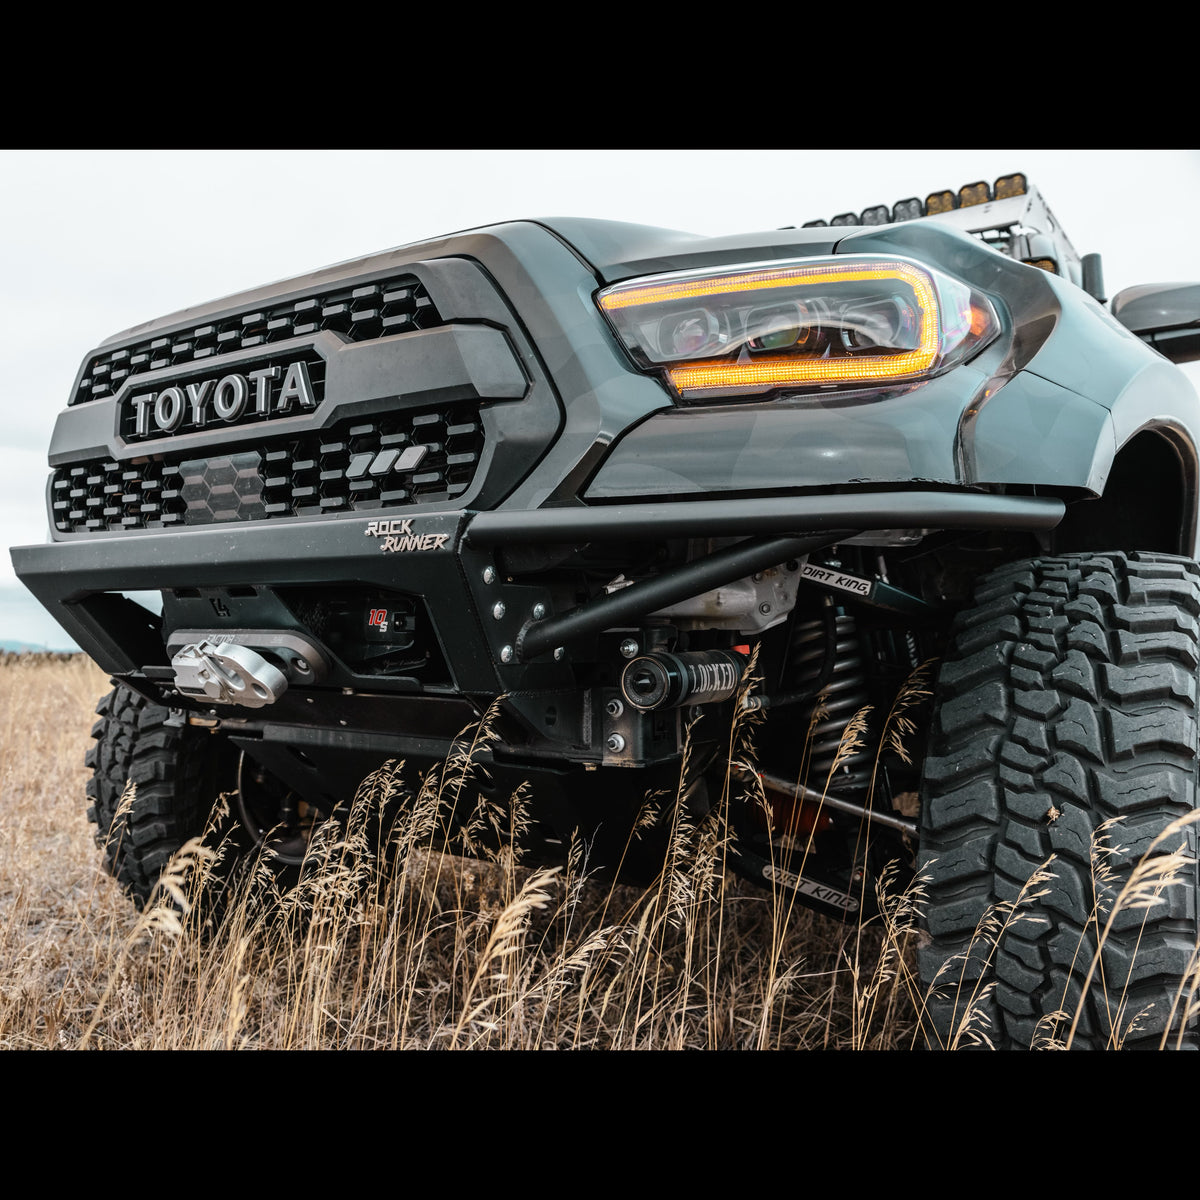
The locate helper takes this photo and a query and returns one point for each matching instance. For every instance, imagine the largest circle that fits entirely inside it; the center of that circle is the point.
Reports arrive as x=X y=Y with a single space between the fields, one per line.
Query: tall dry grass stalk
x=388 y=943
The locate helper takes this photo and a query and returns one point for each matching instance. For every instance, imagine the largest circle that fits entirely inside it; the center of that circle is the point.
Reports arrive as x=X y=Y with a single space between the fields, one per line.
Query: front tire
x=1067 y=700
x=177 y=772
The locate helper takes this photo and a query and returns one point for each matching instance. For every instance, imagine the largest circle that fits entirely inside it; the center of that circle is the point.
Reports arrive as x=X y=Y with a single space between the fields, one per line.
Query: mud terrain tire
x=1067 y=699
x=178 y=773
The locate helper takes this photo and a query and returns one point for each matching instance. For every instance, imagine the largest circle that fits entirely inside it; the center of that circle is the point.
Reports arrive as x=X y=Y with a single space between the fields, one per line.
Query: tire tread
x=175 y=773
x=1067 y=698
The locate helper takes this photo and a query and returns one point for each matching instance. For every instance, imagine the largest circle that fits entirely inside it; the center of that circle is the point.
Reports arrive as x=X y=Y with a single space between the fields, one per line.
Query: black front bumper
x=448 y=559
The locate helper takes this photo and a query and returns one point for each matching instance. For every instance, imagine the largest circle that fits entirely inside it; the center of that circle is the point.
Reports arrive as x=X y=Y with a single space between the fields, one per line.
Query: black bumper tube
x=769 y=515
x=635 y=601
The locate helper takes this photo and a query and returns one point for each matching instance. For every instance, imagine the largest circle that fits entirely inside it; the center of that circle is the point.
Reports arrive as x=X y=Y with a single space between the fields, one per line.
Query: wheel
x=274 y=817
x=1060 y=788
x=177 y=778
x=179 y=772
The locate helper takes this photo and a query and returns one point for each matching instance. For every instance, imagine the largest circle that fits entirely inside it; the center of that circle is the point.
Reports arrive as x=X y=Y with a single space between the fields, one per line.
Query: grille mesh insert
x=356 y=466
x=359 y=314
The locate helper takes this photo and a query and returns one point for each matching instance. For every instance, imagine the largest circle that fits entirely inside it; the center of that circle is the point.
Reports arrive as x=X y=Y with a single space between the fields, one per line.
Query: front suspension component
x=663 y=680
x=841 y=693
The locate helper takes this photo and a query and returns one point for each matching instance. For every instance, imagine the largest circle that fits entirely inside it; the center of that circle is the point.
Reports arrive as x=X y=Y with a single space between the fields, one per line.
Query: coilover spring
x=841 y=698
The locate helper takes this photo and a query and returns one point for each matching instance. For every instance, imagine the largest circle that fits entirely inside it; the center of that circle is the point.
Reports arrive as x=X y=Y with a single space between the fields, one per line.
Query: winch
x=247 y=667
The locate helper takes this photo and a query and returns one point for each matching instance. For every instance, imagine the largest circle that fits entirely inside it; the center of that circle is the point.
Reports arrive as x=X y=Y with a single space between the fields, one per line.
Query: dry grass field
x=432 y=952
x=440 y=952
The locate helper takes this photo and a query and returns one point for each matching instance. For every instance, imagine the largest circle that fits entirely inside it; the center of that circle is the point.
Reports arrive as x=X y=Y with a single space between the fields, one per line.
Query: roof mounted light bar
x=910 y=209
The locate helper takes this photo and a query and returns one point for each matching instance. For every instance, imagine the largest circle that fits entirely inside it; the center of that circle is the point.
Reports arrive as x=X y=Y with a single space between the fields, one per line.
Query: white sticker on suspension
x=808 y=887
x=836 y=579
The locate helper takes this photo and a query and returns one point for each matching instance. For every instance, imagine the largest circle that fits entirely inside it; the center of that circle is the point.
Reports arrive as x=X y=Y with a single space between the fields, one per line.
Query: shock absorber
x=663 y=680
x=844 y=693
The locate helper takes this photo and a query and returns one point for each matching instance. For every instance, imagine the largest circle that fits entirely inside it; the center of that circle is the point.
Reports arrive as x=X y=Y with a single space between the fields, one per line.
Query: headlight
x=848 y=321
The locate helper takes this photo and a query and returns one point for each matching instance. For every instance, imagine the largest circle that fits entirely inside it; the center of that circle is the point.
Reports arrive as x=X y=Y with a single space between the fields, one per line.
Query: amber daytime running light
x=851 y=320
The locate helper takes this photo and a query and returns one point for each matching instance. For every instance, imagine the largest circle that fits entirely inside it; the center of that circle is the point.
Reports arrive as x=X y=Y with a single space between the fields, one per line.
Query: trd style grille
x=372 y=310
x=357 y=466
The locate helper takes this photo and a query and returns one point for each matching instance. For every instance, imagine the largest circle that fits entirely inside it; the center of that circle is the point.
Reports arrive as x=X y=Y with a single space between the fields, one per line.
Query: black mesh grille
x=372 y=310
x=357 y=466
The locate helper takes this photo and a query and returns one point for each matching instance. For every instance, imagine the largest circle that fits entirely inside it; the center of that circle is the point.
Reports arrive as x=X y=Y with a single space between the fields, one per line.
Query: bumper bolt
x=506 y=654
x=489 y=574
x=498 y=609
x=615 y=743
x=539 y=611
x=629 y=648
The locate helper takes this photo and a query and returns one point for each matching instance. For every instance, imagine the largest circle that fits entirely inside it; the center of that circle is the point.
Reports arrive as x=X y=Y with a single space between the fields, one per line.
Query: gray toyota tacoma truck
x=583 y=474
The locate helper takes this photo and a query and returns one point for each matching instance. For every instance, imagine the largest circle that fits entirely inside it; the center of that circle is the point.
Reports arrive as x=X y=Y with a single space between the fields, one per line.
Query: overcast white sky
x=92 y=242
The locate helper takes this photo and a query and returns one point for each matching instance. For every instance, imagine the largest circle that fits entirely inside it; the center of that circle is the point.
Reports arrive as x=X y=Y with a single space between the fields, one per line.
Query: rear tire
x=1067 y=699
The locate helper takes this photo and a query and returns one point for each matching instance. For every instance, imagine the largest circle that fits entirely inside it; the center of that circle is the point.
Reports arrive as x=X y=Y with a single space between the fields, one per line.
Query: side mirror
x=1093 y=276
x=1167 y=315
